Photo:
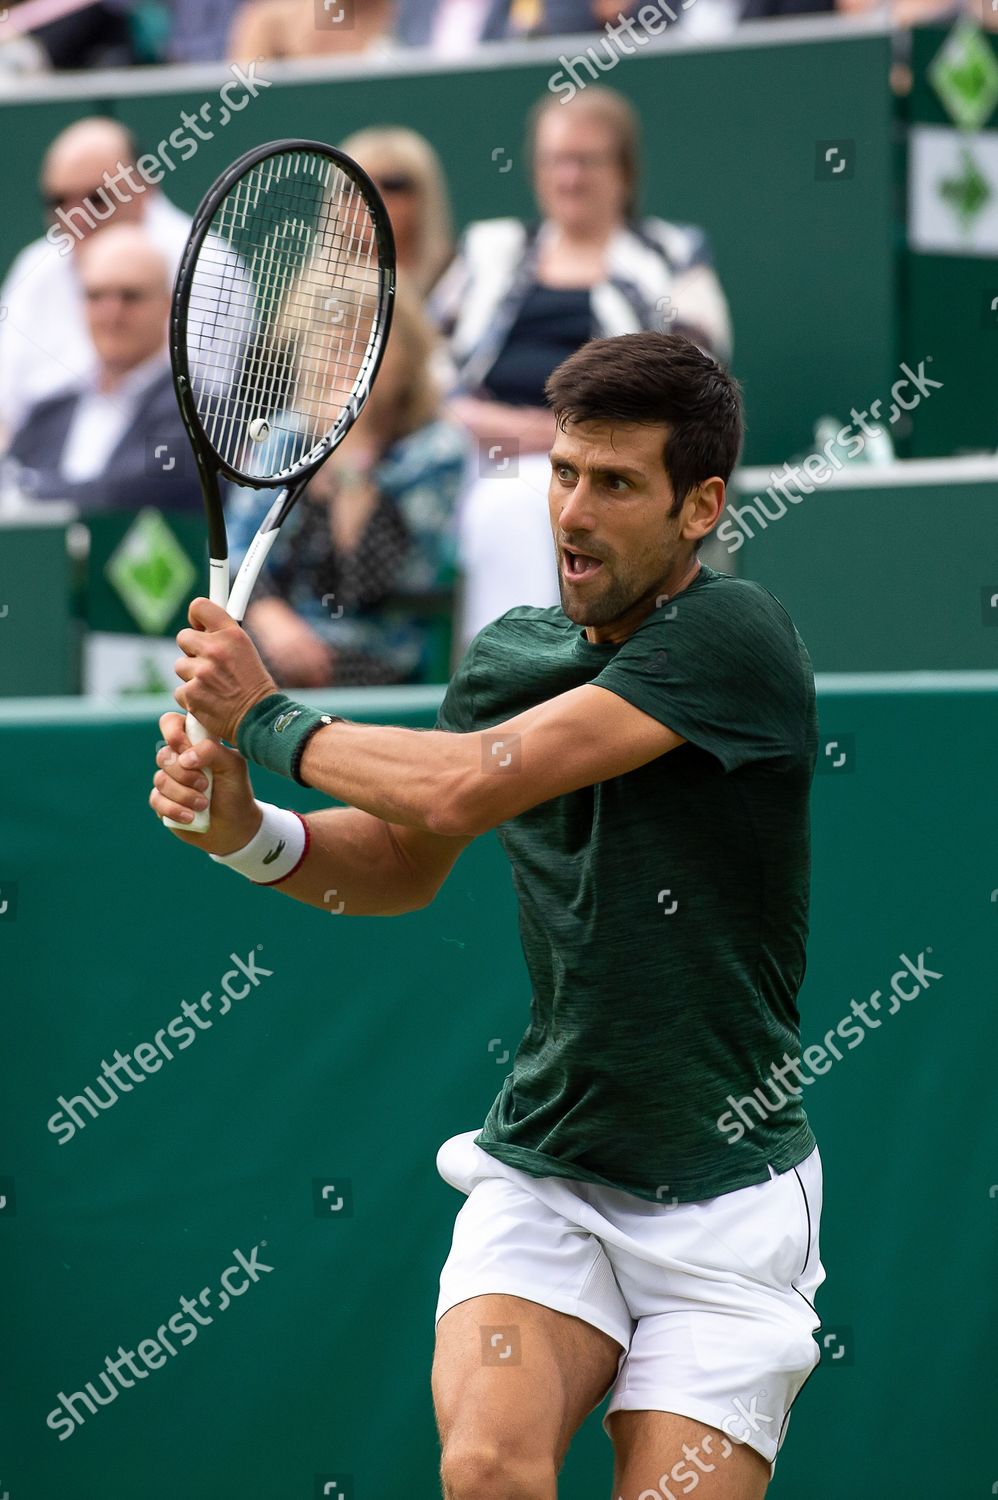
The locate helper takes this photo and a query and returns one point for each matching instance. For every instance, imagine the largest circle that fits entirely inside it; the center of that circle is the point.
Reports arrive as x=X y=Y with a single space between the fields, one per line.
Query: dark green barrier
x=368 y=1044
x=785 y=231
x=865 y=568
x=39 y=638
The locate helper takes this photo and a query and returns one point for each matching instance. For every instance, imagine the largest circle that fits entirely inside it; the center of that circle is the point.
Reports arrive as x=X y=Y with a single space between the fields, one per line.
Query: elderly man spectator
x=116 y=441
x=86 y=185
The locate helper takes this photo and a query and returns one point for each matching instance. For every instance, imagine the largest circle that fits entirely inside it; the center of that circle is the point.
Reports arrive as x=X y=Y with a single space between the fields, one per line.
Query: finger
x=183 y=796
x=168 y=759
x=206 y=755
x=164 y=808
x=180 y=694
x=191 y=642
x=204 y=615
x=184 y=668
x=173 y=729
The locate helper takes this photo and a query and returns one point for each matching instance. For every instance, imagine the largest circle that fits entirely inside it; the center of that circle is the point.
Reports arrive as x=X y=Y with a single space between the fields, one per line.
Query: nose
x=576 y=513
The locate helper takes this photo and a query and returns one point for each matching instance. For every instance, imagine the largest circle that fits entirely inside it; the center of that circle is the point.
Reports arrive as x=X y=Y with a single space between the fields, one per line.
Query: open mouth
x=578 y=566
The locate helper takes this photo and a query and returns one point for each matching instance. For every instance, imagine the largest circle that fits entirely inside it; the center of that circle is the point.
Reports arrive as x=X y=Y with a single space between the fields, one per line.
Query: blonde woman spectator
x=521 y=297
x=276 y=29
x=410 y=177
x=367 y=556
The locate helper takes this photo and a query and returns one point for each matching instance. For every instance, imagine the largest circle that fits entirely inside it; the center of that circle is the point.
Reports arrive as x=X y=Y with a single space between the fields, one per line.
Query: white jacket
x=660 y=275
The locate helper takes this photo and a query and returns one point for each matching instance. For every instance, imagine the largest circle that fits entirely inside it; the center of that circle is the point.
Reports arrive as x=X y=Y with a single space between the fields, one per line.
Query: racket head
x=281 y=310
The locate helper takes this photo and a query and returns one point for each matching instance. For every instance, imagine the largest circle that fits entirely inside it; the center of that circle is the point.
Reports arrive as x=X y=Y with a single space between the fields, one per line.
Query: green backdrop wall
x=945 y=297
x=810 y=334
x=868 y=567
x=366 y=1045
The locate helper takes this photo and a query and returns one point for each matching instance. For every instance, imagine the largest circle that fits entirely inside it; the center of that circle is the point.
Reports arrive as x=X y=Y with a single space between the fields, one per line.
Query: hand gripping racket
x=280 y=314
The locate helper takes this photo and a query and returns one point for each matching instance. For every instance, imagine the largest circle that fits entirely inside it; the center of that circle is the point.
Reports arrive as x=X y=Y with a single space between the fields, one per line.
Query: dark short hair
x=661 y=379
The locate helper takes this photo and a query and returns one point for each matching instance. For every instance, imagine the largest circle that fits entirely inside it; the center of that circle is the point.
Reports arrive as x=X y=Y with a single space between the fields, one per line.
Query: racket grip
x=201 y=821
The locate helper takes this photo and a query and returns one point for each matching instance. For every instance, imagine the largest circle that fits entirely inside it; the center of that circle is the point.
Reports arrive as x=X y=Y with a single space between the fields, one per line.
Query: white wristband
x=276 y=849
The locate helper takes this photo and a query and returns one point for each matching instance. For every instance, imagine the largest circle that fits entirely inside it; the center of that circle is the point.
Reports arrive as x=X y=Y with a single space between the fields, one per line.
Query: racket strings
x=285 y=311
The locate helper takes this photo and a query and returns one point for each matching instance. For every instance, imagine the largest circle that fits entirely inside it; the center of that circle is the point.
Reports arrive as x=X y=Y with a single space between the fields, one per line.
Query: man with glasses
x=44 y=345
x=115 y=439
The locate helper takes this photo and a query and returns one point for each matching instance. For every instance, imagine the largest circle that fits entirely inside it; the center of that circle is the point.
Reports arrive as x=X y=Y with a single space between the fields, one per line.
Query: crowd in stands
x=436 y=502
x=38 y=35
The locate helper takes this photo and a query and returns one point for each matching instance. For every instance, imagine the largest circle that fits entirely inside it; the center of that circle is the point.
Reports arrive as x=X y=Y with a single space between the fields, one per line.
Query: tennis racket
x=280 y=315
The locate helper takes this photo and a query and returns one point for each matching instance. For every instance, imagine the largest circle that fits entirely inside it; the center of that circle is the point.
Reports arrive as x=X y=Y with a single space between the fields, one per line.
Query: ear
x=704 y=505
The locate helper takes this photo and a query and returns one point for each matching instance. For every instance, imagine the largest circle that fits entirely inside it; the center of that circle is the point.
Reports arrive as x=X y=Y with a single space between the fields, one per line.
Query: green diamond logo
x=151 y=571
x=964 y=73
x=966 y=193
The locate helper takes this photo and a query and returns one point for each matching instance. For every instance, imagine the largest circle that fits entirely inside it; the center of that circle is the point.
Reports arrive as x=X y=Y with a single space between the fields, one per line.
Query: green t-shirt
x=663 y=913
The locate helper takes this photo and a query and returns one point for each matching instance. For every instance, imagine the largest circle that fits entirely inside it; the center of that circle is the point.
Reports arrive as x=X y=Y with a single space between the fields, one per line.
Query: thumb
x=208 y=755
x=204 y=615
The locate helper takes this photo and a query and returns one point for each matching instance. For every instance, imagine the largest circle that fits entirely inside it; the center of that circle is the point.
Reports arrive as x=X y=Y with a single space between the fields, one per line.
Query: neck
x=585 y=237
x=109 y=378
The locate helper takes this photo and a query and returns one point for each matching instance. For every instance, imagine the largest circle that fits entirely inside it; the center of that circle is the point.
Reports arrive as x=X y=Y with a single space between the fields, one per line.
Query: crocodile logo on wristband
x=283 y=720
x=268 y=859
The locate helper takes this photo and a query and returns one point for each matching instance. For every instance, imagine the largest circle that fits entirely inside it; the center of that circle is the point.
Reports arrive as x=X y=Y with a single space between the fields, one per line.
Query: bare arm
x=460 y=785
x=356 y=864
x=531 y=427
x=360 y=866
x=455 y=786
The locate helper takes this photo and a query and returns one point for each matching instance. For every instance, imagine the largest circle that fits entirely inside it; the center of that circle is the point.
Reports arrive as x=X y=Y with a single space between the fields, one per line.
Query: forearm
x=354 y=867
x=410 y=776
x=496 y=422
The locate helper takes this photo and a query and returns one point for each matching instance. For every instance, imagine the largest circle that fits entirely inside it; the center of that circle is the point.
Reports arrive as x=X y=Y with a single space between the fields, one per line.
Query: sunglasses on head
x=54 y=201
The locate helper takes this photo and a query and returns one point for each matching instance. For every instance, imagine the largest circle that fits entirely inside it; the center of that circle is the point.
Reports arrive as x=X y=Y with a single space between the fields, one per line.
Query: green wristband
x=275 y=731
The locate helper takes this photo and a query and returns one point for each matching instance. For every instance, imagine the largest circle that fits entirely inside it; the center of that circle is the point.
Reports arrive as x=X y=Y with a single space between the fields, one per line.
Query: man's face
x=127 y=309
x=615 y=541
x=78 y=183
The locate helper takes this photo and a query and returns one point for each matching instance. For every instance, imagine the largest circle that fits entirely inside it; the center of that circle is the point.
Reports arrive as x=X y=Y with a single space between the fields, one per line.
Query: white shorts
x=711 y=1302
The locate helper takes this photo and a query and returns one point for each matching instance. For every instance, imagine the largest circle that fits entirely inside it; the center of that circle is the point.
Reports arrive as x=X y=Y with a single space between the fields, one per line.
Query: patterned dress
x=379 y=605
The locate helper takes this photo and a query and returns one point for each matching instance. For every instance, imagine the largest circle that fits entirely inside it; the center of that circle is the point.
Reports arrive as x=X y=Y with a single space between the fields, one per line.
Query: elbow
x=456 y=811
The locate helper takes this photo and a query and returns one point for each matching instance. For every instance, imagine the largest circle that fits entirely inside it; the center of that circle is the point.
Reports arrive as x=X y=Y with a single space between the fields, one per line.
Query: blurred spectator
x=363 y=571
x=519 y=298
x=200 y=29
x=274 y=29
x=753 y=10
x=455 y=28
x=87 y=35
x=117 y=441
x=408 y=173
x=44 y=346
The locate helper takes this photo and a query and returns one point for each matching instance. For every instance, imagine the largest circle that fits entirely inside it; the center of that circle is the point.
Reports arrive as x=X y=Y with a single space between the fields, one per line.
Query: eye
x=614 y=480
x=564 y=472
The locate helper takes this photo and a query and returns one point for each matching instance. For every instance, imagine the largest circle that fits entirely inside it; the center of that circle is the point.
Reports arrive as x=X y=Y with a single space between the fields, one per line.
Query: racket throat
x=250 y=570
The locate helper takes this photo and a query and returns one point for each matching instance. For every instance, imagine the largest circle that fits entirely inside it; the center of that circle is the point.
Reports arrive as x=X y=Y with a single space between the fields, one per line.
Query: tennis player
x=642 y=1204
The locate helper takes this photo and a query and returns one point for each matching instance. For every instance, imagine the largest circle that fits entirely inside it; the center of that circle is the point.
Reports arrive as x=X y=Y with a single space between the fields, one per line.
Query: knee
x=486 y=1470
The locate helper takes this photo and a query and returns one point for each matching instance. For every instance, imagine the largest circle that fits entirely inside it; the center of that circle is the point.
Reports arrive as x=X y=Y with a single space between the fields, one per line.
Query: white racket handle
x=218 y=593
x=201 y=821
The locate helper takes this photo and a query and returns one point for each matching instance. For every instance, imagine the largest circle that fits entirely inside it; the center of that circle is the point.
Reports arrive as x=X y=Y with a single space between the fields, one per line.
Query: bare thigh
x=512 y=1381
x=657 y=1452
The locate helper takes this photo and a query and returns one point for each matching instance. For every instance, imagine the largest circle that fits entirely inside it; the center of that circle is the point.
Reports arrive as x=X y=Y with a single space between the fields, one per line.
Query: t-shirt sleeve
x=723 y=667
x=457 y=711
